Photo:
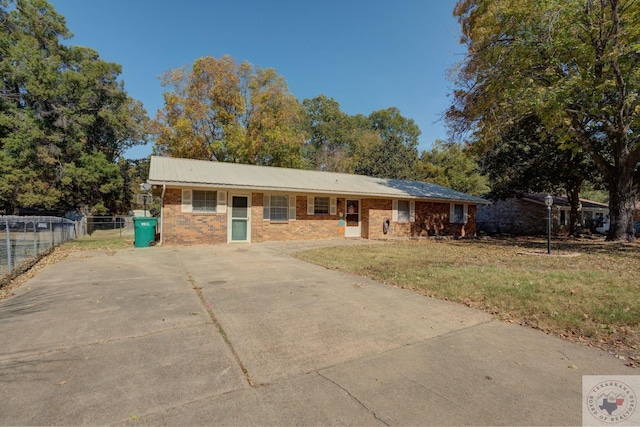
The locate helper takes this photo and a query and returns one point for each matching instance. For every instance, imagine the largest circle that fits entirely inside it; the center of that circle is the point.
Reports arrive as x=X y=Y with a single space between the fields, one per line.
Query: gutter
x=473 y=200
x=164 y=188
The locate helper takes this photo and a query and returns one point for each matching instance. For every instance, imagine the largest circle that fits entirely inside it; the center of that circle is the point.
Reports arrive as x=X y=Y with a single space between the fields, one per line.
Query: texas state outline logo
x=610 y=400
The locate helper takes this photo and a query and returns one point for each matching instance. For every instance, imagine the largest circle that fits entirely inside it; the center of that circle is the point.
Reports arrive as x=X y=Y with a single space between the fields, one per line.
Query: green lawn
x=585 y=291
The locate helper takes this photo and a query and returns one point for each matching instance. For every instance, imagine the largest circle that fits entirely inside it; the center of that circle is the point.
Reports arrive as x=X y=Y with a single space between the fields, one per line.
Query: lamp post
x=145 y=187
x=548 y=201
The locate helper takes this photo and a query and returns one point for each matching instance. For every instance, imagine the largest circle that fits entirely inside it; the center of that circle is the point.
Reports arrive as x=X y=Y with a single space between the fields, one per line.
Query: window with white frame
x=279 y=208
x=458 y=213
x=563 y=217
x=204 y=201
x=320 y=205
x=403 y=211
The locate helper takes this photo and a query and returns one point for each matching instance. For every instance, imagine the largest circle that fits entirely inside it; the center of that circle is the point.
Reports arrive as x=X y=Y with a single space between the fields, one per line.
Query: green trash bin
x=144 y=231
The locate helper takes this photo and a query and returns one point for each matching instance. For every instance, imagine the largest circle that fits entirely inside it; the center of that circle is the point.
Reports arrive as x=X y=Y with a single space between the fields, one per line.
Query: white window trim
x=187 y=198
x=221 y=208
x=311 y=205
x=292 y=207
x=412 y=211
x=465 y=213
x=266 y=208
x=311 y=200
x=187 y=201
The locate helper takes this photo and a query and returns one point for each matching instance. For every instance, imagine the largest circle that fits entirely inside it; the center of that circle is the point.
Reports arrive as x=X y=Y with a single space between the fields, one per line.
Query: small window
x=403 y=211
x=458 y=214
x=563 y=217
x=279 y=208
x=321 y=205
x=204 y=201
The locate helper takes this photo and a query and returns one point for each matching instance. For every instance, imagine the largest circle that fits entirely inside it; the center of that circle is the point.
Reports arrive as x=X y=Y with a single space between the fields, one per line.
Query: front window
x=563 y=217
x=320 y=205
x=403 y=211
x=204 y=201
x=457 y=214
x=279 y=208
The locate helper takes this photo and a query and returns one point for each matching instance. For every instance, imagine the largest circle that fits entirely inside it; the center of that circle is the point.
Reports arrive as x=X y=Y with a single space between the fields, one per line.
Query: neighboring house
x=528 y=216
x=214 y=202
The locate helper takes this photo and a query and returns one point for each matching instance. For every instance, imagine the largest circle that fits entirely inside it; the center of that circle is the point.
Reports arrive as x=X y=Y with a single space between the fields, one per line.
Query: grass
x=585 y=291
x=101 y=239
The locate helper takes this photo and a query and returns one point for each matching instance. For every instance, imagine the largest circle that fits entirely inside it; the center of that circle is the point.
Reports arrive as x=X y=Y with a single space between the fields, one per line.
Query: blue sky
x=366 y=54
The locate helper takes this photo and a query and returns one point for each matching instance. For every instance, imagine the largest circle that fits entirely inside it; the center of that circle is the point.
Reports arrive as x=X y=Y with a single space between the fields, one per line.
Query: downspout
x=164 y=187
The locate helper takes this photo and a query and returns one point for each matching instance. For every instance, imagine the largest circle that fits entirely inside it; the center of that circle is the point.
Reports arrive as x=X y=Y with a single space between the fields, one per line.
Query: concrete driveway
x=248 y=335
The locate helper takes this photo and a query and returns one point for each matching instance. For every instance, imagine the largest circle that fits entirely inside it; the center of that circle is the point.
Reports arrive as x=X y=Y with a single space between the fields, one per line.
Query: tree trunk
x=622 y=203
x=573 y=194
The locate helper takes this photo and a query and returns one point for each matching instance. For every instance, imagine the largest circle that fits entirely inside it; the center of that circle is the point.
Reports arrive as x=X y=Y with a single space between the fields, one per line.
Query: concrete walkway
x=248 y=335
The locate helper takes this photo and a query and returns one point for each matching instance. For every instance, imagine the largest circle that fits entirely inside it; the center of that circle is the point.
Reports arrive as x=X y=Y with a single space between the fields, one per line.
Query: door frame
x=230 y=217
x=356 y=231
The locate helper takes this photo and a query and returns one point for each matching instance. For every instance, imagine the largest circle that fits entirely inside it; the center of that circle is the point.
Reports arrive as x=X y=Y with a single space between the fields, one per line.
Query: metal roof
x=177 y=172
x=563 y=201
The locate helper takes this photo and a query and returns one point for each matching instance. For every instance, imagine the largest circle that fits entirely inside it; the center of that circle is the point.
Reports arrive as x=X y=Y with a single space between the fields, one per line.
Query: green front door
x=240 y=218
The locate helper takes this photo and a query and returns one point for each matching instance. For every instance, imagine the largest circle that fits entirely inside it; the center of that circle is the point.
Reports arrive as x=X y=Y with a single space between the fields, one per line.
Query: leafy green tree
x=525 y=160
x=451 y=165
x=386 y=145
x=224 y=111
x=572 y=63
x=330 y=134
x=64 y=116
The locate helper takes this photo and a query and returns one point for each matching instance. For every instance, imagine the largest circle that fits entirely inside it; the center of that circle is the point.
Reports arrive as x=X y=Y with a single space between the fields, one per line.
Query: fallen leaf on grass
x=62 y=383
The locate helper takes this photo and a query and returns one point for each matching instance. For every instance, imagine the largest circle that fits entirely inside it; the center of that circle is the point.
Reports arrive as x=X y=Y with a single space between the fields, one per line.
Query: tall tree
x=386 y=145
x=574 y=64
x=451 y=165
x=330 y=134
x=526 y=160
x=64 y=116
x=224 y=111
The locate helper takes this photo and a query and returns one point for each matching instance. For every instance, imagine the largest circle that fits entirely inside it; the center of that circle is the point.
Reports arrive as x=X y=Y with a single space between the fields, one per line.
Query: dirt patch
x=557 y=254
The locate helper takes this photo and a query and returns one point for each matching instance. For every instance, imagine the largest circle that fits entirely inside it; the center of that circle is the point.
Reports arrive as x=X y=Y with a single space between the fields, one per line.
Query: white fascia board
x=360 y=194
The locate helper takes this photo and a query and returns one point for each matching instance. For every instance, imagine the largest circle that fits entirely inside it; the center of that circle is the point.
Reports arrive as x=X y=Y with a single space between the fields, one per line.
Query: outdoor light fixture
x=548 y=201
x=145 y=187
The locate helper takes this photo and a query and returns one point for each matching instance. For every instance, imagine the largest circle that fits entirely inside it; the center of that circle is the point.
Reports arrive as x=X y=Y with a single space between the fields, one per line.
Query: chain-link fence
x=26 y=237
x=107 y=225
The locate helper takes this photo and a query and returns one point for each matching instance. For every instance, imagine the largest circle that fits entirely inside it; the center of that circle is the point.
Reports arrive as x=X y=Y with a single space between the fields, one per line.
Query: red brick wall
x=374 y=212
x=431 y=219
x=185 y=228
x=305 y=227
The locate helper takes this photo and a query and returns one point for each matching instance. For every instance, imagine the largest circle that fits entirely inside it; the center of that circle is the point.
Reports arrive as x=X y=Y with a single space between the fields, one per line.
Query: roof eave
x=315 y=191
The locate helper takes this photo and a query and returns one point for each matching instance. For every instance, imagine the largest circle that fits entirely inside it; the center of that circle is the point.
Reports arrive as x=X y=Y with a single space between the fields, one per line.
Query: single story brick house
x=528 y=215
x=214 y=202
